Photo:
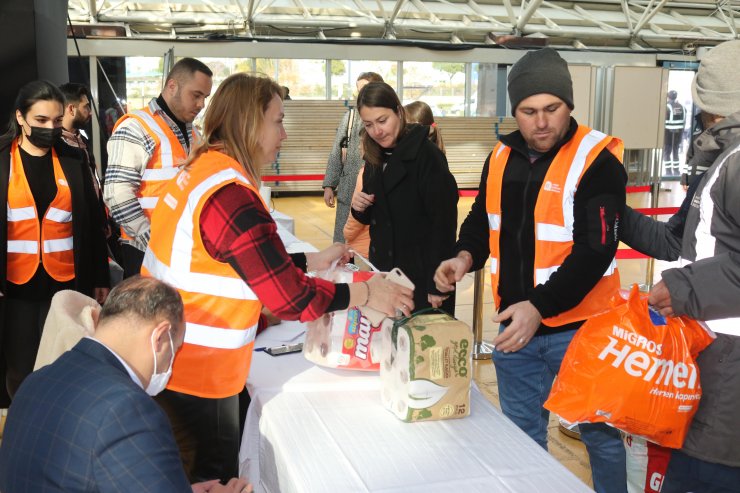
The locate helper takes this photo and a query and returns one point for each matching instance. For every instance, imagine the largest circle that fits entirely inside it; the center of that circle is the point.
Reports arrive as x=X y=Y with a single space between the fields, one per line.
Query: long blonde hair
x=420 y=112
x=234 y=118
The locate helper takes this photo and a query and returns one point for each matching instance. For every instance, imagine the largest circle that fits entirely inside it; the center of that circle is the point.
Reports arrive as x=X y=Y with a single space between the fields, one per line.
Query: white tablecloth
x=311 y=429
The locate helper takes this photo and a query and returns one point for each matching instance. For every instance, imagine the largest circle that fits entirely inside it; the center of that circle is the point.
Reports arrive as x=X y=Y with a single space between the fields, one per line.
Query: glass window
x=484 y=89
x=439 y=84
x=224 y=67
x=344 y=75
x=306 y=79
x=144 y=80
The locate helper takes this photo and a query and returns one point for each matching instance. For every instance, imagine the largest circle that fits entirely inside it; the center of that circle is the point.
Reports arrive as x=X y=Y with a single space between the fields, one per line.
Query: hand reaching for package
x=322 y=260
x=388 y=297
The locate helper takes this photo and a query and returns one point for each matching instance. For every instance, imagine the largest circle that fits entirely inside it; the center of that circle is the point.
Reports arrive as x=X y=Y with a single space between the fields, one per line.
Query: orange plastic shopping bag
x=639 y=376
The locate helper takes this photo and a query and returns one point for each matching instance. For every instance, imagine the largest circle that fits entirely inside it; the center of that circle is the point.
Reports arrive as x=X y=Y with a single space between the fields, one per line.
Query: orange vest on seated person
x=553 y=218
x=30 y=242
x=221 y=311
x=163 y=165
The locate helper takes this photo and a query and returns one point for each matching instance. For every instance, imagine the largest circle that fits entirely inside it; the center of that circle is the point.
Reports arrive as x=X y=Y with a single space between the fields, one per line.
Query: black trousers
x=132 y=259
x=207 y=434
x=24 y=323
x=671 y=145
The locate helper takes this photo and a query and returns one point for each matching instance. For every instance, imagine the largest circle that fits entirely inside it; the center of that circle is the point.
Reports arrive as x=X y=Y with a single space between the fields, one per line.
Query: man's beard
x=78 y=123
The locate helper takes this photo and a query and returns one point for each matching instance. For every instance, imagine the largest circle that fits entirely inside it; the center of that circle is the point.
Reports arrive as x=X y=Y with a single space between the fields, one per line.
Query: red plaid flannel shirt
x=236 y=228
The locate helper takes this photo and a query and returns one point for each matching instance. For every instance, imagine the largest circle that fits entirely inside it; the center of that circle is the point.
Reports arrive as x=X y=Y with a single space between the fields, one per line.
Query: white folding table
x=311 y=429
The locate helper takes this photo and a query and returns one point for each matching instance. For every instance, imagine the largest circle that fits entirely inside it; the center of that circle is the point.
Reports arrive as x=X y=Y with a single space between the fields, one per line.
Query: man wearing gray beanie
x=705 y=236
x=549 y=202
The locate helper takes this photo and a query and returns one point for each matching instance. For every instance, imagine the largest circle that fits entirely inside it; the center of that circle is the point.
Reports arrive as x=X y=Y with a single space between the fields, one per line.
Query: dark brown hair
x=185 y=69
x=379 y=95
x=420 y=112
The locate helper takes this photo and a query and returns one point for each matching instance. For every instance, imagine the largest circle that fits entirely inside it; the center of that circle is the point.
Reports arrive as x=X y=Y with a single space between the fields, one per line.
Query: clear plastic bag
x=345 y=339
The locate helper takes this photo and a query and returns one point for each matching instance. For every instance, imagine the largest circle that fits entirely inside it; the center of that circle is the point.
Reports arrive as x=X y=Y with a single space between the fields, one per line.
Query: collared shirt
x=130 y=148
x=125 y=365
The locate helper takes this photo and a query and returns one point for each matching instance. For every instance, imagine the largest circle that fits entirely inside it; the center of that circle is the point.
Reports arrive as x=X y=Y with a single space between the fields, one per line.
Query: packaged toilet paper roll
x=426 y=369
x=345 y=339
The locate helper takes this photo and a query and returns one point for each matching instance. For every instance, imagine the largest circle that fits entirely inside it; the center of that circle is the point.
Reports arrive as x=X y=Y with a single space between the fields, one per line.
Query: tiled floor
x=314 y=223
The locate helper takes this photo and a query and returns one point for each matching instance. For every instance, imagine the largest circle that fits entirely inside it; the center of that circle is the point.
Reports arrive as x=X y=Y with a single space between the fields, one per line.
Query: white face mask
x=159 y=380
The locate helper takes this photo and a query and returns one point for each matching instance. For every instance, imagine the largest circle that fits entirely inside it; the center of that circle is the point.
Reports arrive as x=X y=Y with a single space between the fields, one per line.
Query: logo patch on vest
x=552 y=187
x=63 y=182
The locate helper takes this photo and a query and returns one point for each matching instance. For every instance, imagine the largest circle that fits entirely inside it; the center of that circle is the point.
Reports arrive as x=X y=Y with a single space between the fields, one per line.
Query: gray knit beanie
x=716 y=87
x=537 y=72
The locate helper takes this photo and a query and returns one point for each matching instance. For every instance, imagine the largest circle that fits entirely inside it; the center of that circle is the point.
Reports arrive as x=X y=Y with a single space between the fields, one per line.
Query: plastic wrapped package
x=345 y=339
x=426 y=369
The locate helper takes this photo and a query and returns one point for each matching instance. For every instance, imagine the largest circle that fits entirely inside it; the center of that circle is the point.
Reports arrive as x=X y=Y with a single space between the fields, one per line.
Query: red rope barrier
x=640 y=189
x=657 y=211
x=293 y=178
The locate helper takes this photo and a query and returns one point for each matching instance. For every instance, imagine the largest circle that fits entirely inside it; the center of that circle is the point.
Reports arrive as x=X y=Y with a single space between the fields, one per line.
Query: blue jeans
x=524 y=381
x=686 y=473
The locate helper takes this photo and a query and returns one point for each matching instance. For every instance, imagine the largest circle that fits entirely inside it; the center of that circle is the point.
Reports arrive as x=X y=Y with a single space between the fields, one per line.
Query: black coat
x=90 y=251
x=413 y=221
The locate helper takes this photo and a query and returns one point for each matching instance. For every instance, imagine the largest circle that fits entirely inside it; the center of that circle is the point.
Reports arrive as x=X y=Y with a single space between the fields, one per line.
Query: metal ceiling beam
x=626 y=10
x=729 y=21
x=585 y=15
x=548 y=22
x=510 y=13
x=251 y=6
x=396 y=10
x=113 y=6
x=647 y=15
x=302 y=7
x=479 y=11
x=527 y=14
x=694 y=25
x=363 y=9
x=93 y=8
x=422 y=8
x=580 y=12
x=241 y=8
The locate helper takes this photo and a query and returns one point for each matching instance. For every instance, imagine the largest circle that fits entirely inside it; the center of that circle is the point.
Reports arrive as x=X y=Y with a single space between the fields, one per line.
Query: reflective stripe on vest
x=706 y=242
x=25 y=234
x=204 y=335
x=553 y=216
x=163 y=165
x=221 y=311
x=674 y=123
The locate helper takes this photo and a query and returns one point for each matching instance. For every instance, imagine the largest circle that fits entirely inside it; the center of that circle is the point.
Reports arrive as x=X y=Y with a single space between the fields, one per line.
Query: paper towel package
x=346 y=338
x=426 y=369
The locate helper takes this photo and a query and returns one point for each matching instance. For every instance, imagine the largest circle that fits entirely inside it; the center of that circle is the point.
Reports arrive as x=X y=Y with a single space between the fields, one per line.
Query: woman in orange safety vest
x=49 y=229
x=213 y=239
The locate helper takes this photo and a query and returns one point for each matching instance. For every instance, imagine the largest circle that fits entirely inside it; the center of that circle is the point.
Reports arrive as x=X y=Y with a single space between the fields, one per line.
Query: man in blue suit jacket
x=85 y=422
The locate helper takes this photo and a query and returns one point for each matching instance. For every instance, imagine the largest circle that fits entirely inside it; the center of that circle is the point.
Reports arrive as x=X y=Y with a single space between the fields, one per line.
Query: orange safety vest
x=163 y=165
x=553 y=218
x=221 y=311
x=25 y=234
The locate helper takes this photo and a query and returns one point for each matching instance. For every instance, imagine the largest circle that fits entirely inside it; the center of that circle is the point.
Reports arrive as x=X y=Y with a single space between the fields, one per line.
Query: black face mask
x=44 y=137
